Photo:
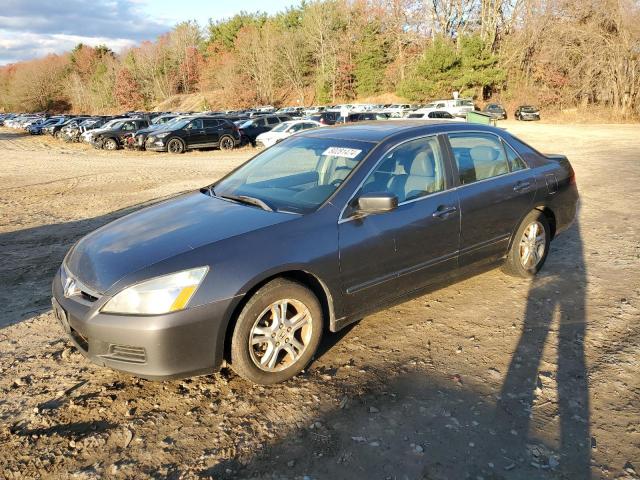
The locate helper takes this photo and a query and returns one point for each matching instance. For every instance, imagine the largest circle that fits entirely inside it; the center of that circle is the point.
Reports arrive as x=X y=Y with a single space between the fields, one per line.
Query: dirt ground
x=491 y=378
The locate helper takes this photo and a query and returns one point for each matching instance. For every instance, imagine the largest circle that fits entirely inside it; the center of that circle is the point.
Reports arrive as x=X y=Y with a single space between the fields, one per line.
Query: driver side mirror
x=374 y=203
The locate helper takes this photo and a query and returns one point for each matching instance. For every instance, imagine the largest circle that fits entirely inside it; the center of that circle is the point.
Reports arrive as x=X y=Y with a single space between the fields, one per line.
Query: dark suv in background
x=115 y=137
x=194 y=132
x=250 y=129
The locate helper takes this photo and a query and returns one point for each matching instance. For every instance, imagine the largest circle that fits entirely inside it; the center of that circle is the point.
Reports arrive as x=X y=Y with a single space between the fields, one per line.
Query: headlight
x=162 y=135
x=165 y=294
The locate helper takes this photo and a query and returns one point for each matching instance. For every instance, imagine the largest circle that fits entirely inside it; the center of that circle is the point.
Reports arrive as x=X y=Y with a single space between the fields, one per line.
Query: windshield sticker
x=342 y=152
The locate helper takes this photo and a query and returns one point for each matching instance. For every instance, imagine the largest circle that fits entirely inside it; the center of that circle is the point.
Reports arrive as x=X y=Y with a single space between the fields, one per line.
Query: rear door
x=212 y=129
x=496 y=190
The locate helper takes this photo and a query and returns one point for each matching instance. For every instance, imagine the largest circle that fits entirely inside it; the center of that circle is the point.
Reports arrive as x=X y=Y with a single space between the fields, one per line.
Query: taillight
x=572 y=176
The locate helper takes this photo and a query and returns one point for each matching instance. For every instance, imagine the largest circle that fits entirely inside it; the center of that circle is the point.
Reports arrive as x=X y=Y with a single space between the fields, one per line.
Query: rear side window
x=273 y=120
x=211 y=123
x=514 y=159
x=478 y=156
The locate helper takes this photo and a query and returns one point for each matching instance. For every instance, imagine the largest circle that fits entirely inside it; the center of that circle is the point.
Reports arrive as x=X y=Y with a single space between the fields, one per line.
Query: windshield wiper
x=245 y=199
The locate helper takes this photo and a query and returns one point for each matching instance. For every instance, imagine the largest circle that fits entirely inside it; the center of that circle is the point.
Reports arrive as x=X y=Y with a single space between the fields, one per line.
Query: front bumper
x=158 y=347
x=530 y=116
x=155 y=144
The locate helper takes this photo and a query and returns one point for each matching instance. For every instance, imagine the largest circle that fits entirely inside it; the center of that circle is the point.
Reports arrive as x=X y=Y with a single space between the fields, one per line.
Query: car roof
x=379 y=130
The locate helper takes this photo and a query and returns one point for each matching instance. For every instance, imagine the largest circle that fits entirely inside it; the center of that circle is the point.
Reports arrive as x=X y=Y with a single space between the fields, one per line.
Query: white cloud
x=32 y=28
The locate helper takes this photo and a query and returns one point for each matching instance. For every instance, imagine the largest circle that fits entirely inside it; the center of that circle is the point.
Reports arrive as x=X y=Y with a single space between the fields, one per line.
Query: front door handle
x=444 y=211
x=521 y=185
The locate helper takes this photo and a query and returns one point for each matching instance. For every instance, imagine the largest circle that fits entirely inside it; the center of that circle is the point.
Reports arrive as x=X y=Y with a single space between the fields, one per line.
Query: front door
x=388 y=255
x=197 y=135
x=496 y=191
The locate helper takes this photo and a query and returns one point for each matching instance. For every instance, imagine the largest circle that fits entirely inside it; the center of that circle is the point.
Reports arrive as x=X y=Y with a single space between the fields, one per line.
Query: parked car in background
x=362 y=117
x=56 y=129
x=90 y=134
x=527 y=112
x=456 y=107
x=284 y=130
x=496 y=110
x=38 y=128
x=195 y=131
x=139 y=138
x=398 y=110
x=430 y=114
x=325 y=117
x=309 y=236
x=250 y=129
x=113 y=137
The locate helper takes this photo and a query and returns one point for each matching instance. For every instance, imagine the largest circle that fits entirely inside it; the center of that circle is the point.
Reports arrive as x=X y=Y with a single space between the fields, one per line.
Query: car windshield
x=247 y=124
x=527 y=108
x=297 y=175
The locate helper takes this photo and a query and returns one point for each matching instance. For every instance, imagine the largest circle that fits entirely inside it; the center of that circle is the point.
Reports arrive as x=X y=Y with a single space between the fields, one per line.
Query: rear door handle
x=521 y=185
x=444 y=211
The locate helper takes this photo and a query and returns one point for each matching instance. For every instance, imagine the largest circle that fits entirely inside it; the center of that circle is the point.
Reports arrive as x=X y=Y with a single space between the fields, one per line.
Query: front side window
x=297 y=175
x=478 y=156
x=411 y=170
x=195 y=124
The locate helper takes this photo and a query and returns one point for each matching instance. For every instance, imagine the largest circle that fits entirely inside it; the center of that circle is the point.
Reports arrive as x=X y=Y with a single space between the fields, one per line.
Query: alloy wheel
x=280 y=335
x=175 y=146
x=226 y=143
x=532 y=245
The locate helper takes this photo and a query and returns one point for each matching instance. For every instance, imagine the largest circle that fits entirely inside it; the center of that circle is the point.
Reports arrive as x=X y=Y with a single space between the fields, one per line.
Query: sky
x=33 y=28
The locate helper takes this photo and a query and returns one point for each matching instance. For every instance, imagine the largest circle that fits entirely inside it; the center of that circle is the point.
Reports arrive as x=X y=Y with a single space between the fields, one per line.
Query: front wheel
x=175 y=145
x=530 y=246
x=277 y=333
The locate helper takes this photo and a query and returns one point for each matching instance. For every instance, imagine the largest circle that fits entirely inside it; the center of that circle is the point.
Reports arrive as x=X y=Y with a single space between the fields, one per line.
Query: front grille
x=127 y=353
x=80 y=340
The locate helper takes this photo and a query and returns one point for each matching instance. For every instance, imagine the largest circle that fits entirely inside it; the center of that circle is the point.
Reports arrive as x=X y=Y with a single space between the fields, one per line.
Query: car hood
x=160 y=232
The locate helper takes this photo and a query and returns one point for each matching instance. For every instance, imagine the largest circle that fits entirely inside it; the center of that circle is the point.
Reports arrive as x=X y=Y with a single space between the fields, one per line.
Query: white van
x=457 y=108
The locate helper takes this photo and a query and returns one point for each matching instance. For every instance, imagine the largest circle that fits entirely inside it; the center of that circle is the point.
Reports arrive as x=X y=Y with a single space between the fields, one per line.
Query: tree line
x=559 y=53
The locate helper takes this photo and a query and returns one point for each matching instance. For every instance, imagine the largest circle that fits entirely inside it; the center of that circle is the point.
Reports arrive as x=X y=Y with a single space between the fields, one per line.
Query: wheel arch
x=304 y=277
x=549 y=215
x=551 y=218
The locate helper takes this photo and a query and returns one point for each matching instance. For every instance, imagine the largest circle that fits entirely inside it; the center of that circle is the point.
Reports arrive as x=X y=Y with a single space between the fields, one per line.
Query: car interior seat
x=487 y=162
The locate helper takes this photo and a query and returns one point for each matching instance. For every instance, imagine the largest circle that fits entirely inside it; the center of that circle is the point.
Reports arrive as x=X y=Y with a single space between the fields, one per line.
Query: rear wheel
x=175 y=145
x=110 y=144
x=530 y=246
x=227 y=143
x=277 y=333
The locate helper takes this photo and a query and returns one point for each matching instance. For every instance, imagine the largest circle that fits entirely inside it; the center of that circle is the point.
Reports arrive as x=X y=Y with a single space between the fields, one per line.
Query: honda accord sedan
x=308 y=236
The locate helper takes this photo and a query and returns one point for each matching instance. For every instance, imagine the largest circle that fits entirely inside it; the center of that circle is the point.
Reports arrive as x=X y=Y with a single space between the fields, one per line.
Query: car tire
x=529 y=247
x=110 y=144
x=287 y=347
x=226 y=143
x=175 y=145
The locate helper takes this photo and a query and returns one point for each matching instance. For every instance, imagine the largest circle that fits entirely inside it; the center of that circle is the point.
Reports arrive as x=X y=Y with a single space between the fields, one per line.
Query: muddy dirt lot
x=491 y=378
